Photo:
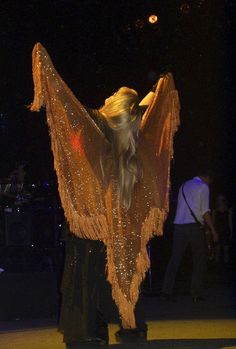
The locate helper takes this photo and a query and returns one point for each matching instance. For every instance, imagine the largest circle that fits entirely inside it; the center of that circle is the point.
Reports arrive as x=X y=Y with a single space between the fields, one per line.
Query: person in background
x=192 y=213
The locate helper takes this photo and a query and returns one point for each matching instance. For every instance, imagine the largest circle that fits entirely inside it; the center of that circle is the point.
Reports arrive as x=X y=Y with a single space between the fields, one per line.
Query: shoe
x=197 y=299
x=168 y=297
x=96 y=340
x=90 y=342
x=131 y=336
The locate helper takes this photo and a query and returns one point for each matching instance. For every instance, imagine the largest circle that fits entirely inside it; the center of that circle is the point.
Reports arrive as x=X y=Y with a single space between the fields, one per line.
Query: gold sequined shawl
x=92 y=208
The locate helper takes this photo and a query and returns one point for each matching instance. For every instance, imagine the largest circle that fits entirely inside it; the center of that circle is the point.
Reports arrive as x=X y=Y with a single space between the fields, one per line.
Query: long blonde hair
x=123 y=115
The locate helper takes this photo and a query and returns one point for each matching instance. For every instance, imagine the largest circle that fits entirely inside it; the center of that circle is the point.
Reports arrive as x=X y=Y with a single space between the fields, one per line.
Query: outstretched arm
x=158 y=127
x=147 y=100
x=77 y=145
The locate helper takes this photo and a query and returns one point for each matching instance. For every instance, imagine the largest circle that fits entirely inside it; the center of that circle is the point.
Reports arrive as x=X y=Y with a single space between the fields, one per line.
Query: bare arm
x=147 y=99
x=209 y=222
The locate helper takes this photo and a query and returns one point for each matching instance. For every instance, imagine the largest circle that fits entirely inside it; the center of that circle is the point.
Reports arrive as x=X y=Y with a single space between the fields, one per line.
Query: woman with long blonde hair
x=120 y=119
x=113 y=170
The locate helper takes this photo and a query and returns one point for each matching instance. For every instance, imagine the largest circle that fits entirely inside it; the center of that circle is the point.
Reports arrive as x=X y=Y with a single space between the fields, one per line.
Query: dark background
x=97 y=46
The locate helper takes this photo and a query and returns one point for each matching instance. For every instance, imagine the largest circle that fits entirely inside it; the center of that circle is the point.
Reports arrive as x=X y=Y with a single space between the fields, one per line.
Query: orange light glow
x=77 y=143
x=153 y=19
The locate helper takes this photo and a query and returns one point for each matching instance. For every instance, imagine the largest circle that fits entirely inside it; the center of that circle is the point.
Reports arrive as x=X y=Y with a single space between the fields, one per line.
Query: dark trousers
x=185 y=234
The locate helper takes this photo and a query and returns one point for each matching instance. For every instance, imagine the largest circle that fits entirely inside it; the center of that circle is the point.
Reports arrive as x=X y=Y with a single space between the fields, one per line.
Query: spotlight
x=153 y=19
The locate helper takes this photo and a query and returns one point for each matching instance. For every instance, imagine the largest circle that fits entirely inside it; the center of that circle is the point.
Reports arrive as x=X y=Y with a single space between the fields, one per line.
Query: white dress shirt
x=197 y=195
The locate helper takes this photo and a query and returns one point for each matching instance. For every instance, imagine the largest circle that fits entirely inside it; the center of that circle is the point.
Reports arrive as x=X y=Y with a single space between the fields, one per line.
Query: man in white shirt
x=192 y=211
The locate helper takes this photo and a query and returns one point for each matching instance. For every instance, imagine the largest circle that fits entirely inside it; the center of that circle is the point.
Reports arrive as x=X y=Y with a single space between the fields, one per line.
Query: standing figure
x=222 y=218
x=113 y=167
x=192 y=212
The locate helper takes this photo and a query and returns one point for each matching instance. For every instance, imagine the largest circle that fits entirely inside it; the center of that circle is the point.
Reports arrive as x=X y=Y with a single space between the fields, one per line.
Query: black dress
x=82 y=287
x=84 y=284
x=84 y=280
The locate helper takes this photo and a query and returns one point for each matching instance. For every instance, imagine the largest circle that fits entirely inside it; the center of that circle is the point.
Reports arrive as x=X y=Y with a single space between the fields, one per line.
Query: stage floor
x=210 y=324
x=201 y=333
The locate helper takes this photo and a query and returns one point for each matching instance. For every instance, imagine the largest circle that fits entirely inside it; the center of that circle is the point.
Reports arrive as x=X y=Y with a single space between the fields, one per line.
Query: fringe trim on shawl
x=38 y=101
x=152 y=225
x=94 y=227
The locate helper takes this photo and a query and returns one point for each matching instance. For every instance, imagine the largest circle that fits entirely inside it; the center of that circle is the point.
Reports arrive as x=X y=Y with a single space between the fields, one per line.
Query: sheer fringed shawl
x=93 y=209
